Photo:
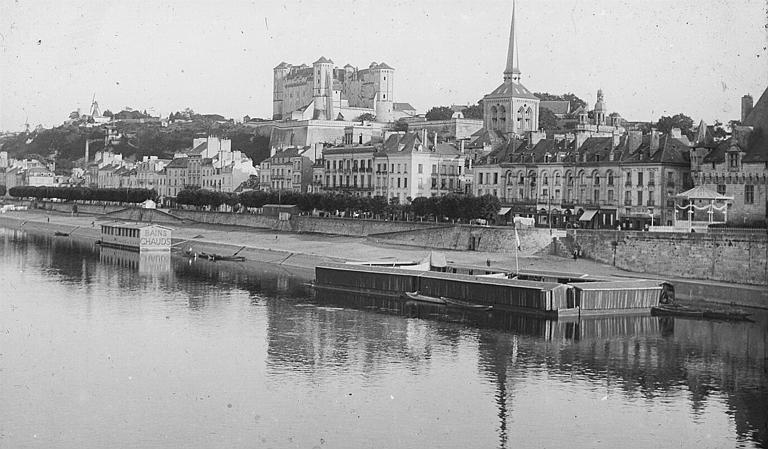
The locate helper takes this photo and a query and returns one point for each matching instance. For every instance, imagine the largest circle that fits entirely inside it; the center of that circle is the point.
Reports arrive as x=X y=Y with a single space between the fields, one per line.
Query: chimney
x=87 y=150
x=654 y=142
x=536 y=136
x=746 y=107
x=616 y=140
x=635 y=139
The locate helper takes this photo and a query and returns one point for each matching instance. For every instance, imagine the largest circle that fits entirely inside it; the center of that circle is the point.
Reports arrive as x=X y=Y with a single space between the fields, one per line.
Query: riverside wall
x=475 y=238
x=738 y=258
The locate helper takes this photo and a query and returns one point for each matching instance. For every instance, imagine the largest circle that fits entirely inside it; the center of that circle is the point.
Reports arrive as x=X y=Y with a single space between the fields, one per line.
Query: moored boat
x=415 y=296
x=465 y=304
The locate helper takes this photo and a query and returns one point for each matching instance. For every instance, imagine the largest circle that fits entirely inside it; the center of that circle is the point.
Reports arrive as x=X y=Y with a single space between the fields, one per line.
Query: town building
x=604 y=182
x=287 y=170
x=737 y=166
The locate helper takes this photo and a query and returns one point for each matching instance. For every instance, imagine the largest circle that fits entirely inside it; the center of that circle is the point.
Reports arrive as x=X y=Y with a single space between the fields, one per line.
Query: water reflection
x=349 y=368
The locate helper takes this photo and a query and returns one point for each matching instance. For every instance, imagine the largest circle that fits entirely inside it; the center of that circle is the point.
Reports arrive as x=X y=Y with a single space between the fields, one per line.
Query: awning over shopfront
x=588 y=215
x=504 y=210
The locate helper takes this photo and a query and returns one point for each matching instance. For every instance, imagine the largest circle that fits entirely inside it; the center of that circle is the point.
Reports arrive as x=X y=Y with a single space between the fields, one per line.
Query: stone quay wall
x=729 y=257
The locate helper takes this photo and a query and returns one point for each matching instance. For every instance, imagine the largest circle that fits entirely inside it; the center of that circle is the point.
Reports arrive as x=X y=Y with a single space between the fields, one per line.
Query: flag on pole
x=517 y=239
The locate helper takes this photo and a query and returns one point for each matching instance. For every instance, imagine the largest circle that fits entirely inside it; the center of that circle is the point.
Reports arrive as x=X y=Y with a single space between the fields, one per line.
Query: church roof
x=384 y=66
x=758 y=117
x=282 y=65
x=511 y=89
x=323 y=60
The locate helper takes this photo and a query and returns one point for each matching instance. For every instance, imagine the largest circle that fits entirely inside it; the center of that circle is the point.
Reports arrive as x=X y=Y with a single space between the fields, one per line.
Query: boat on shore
x=218 y=257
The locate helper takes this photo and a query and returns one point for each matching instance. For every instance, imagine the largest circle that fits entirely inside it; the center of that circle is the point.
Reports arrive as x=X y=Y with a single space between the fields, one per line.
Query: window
x=480 y=180
x=651 y=178
x=398 y=183
x=721 y=189
x=733 y=159
x=639 y=197
x=610 y=196
x=545 y=179
x=405 y=183
x=495 y=178
x=627 y=198
x=421 y=168
x=610 y=179
x=639 y=178
x=597 y=180
x=557 y=179
x=749 y=194
x=597 y=196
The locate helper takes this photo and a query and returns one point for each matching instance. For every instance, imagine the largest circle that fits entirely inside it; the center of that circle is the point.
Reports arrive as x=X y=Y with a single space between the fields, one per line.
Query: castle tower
x=747 y=103
x=511 y=108
x=278 y=91
x=600 y=108
x=383 y=85
x=322 y=74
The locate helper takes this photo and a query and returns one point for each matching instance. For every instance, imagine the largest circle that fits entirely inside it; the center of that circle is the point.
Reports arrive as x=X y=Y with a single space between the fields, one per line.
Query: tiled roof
x=512 y=89
x=199 y=149
x=758 y=117
x=402 y=107
x=323 y=60
x=180 y=162
x=384 y=66
x=398 y=143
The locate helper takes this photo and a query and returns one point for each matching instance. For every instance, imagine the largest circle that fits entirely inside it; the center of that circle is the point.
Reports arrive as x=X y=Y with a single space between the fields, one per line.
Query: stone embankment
x=730 y=257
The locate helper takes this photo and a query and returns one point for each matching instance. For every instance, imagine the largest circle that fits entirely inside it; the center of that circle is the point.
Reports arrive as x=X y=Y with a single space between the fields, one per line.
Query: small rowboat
x=465 y=305
x=415 y=296
x=218 y=257
x=706 y=314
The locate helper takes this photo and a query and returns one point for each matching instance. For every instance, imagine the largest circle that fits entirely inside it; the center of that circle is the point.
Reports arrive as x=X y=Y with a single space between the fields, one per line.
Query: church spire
x=512 y=72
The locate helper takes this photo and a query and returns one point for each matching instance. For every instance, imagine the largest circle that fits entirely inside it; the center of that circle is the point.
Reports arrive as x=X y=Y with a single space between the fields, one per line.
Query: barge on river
x=554 y=299
x=136 y=236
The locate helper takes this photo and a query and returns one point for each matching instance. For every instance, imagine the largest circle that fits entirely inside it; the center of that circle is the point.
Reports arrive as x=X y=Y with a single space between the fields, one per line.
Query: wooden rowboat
x=415 y=296
x=465 y=305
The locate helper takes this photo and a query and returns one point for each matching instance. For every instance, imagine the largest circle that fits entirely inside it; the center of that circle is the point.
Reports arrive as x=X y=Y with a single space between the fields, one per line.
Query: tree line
x=83 y=194
x=453 y=207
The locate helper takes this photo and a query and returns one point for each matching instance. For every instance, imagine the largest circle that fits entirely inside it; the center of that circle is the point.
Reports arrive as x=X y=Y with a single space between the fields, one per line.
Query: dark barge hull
x=549 y=299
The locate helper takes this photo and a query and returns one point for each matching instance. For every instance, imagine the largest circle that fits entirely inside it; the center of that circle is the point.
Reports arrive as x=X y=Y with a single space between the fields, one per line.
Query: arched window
x=528 y=119
x=494 y=117
x=520 y=114
x=502 y=118
x=557 y=178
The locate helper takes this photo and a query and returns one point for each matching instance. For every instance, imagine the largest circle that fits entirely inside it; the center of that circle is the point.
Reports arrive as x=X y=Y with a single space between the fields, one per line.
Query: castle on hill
x=326 y=92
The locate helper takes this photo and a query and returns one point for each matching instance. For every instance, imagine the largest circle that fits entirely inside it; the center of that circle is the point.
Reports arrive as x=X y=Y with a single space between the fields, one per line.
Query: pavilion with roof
x=702 y=206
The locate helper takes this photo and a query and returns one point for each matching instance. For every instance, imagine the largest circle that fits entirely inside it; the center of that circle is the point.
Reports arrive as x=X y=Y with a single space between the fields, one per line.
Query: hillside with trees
x=65 y=144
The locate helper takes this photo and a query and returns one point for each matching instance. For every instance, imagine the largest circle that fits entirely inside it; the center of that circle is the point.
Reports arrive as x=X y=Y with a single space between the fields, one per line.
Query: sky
x=650 y=57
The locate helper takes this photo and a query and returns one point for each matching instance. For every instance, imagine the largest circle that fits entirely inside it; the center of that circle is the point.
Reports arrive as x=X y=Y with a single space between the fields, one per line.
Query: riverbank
x=305 y=251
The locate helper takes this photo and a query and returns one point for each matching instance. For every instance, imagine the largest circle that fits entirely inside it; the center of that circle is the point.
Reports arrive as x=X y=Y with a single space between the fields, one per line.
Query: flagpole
x=517 y=250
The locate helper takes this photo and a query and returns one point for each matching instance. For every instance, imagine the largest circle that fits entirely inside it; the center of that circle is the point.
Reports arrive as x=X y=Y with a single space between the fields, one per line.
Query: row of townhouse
x=628 y=179
x=404 y=166
x=209 y=164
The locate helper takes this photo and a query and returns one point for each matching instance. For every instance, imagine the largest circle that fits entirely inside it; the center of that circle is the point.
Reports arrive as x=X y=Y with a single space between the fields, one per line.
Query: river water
x=113 y=349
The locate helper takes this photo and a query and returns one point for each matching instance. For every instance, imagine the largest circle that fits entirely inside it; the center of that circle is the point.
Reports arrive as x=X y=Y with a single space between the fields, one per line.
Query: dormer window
x=733 y=159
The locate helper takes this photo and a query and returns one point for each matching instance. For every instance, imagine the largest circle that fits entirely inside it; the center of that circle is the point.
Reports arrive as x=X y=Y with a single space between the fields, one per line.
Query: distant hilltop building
x=326 y=92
